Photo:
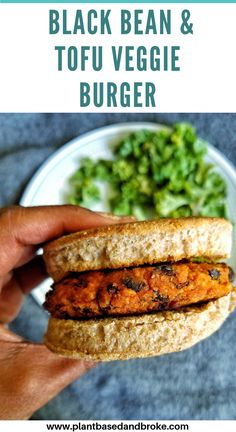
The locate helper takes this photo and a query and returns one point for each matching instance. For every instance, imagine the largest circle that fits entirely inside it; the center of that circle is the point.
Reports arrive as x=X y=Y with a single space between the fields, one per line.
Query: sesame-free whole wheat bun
x=136 y=289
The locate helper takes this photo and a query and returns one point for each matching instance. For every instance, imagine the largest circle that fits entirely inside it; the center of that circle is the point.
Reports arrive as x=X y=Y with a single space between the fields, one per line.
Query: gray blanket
x=199 y=383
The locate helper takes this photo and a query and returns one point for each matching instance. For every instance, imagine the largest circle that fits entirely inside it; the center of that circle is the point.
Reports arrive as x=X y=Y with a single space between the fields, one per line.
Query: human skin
x=31 y=375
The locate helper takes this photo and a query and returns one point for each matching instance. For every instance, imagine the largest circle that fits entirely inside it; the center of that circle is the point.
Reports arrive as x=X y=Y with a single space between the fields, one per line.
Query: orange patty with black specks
x=137 y=290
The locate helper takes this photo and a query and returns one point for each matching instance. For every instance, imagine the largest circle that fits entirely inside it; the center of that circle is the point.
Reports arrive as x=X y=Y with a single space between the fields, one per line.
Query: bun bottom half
x=139 y=336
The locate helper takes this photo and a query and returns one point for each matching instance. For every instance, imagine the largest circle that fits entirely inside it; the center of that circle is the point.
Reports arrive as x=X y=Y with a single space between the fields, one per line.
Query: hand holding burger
x=25 y=367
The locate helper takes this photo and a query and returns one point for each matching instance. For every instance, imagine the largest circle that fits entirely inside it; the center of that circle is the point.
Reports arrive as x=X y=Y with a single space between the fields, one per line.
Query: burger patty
x=137 y=290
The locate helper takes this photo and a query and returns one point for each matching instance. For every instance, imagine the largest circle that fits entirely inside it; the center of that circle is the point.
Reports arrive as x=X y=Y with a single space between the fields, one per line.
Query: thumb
x=32 y=376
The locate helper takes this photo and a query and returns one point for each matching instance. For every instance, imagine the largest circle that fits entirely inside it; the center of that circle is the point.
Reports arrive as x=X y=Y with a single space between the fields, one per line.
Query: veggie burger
x=138 y=289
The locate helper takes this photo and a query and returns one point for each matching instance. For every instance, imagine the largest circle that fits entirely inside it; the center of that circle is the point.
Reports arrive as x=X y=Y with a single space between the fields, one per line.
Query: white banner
x=96 y=425
x=188 y=71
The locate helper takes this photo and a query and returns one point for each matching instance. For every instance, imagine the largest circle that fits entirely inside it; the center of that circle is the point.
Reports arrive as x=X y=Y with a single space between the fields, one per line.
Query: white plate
x=49 y=184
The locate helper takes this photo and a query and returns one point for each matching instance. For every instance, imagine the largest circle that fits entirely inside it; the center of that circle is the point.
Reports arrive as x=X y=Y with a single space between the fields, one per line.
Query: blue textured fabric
x=199 y=383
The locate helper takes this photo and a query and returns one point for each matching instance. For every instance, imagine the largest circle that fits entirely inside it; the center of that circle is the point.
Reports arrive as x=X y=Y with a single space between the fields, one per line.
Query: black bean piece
x=105 y=309
x=132 y=284
x=81 y=283
x=231 y=274
x=77 y=309
x=161 y=299
x=166 y=269
x=86 y=311
x=182 y=285
x=112 y=288
x=214 y=274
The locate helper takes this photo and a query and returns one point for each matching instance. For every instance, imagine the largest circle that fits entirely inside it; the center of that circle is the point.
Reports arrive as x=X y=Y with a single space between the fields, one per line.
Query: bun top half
x=137 y=243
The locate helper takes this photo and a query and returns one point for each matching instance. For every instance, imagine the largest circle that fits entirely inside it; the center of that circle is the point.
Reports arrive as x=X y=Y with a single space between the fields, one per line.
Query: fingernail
x=115 y=217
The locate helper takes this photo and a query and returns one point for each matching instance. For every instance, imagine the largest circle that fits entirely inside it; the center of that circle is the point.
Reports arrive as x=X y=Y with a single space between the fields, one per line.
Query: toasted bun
x=137 y=336
x=136 y=243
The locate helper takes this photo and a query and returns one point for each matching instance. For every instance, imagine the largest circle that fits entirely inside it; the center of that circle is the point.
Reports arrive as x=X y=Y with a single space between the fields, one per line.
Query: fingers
x=7 y=336
x=31 y=376
x=20 y=282
x=11 y=299
x=23 y=229
x=31 y=274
